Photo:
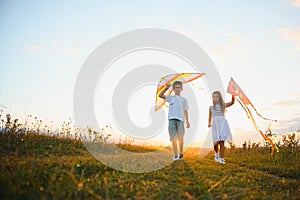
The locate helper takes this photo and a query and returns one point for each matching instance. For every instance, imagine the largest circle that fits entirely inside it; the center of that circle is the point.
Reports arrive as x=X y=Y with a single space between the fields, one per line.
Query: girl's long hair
x=221 y=101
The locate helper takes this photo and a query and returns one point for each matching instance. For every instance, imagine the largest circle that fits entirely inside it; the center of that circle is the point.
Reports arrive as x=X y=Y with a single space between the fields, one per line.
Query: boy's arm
x=161 y=94
x=209 y=119
x=230 y=103
x=186 y=115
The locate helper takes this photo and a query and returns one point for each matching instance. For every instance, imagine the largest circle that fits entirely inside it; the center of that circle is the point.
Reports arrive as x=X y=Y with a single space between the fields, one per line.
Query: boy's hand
x=209 y=125
x=161 y=94
x=188 y=125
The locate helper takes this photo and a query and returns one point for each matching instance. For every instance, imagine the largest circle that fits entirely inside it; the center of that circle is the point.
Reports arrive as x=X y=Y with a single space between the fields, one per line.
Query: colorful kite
x=236 y=91
x=183 y=77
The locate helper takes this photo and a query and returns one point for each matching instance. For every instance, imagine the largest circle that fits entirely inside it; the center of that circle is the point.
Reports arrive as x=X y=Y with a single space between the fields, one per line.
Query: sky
x=43 y=45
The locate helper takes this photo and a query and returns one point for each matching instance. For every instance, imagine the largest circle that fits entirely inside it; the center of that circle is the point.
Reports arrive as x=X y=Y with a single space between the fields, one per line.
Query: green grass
x=43 y=167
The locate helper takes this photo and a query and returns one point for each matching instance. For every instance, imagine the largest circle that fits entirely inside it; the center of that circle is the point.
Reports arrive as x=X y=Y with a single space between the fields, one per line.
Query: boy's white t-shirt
x=177 y=105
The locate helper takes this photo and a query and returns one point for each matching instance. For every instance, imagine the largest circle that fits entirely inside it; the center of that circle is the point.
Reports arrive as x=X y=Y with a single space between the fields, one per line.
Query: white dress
x=220 y=127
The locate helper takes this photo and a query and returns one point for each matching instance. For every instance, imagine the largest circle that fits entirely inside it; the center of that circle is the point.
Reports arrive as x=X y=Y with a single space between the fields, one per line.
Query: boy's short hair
x=177 y=83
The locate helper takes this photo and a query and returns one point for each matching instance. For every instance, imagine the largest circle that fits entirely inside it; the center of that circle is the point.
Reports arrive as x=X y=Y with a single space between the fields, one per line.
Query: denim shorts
x=176 y=129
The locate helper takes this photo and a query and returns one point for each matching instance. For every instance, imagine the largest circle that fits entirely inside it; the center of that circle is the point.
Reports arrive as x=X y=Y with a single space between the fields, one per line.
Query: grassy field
x=43 y=167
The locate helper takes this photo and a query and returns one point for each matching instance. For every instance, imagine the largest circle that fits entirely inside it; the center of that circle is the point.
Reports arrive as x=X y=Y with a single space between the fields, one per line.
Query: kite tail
x=248 y=112
x=199 y=88
x=274 y=120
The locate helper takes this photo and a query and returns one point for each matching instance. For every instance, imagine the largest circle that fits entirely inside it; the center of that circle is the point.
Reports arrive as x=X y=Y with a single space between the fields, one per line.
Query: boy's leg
x=173 y=132
x=181 y=131
x=222 y=149
x=181 y=146
x=174 y=144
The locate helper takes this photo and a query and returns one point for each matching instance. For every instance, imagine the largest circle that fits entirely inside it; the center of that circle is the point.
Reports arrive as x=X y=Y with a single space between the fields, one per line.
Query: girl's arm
x=161 y=94
x=209 y=119
x=230 y=103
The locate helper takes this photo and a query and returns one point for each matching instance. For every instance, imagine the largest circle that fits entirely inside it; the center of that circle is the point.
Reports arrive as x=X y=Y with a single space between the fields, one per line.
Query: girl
x=220 y=128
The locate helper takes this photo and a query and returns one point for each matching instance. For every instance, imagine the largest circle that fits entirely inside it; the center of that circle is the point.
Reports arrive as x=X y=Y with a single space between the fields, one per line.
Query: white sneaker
x=221 y=160
x=175 y=158
x=217 y=157
x=180 y=156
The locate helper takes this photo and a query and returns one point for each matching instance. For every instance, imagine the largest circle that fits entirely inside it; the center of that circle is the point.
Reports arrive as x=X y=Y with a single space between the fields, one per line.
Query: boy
x=178 y=107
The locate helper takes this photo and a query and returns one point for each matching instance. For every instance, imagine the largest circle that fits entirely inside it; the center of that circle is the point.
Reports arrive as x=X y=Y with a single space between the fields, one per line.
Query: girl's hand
x=188 y=125
x=209 y=125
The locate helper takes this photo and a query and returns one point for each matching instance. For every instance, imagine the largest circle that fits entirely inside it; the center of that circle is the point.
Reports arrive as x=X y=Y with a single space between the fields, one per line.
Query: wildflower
x=80 y=186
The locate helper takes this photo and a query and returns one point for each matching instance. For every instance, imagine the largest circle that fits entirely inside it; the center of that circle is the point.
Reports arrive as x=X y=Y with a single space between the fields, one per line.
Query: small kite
x=170 y=79
x=236 y=91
